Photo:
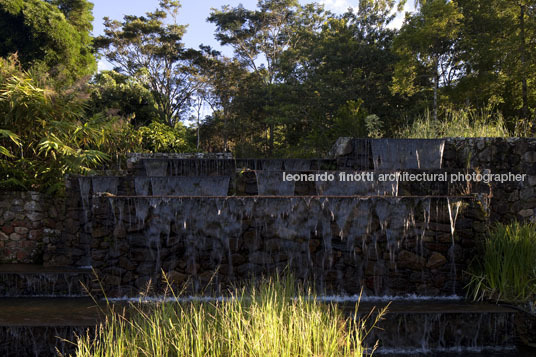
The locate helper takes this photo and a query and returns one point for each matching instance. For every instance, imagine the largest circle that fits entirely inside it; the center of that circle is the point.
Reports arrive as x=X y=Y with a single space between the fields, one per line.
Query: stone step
x=17 y=280
x=39 y=326
x=433 y=328
x=443 y=328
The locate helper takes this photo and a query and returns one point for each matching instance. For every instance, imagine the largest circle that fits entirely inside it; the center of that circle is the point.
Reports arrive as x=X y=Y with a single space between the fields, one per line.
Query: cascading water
x=102 y=184
x=356 y=188
x=270 y=183
x=190 y=186
x=364 y=232
x=343 y=237
x=407 y=153
x=156 y=167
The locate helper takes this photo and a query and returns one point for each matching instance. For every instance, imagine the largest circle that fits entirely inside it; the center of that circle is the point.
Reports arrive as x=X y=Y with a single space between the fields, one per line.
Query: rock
x=251 y=240
x=260 y=258
x=8 y=216
x=410 y=260
x=207 y=276
x=71 y=226
x=120 y=231
x=34 y=216
x=126 y=263
x=176 y=278
x=15 y=236
x=35 y=234
x=21 y=230
x=192 y=268
x=100 y=232
x=238 y=259
x=314 y=244
x=32 y=206
x=525 y=213
x=52 y=212
x=527 y=193
x=530 y=156
x=343 y=146
x=436 y=260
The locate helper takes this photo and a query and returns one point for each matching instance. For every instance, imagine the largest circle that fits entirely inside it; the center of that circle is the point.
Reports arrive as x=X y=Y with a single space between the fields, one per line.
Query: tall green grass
x=267 y=320
x=457 y=123
x=507 y=269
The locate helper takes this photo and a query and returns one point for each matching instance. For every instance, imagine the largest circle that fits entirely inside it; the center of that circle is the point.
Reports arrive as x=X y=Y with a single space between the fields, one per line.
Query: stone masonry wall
x=58 y=231
x=27 y=221
x=508 y=200
x=39 y=229
x=128 y=253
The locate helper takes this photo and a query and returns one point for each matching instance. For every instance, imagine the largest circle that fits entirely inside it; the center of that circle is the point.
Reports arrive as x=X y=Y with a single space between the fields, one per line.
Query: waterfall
x=407 y=153
x=270 y=183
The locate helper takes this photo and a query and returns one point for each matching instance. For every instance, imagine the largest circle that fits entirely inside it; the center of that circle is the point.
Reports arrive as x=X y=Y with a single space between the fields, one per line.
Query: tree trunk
x=436 y=88
x=271 y=143
x=525 y=109
x=225 y=129
x=198 y=132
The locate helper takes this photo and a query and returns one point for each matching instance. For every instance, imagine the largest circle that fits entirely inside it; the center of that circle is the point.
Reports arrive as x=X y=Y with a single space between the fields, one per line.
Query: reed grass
x=507 y=269
x=264 y=320
x=457 y=123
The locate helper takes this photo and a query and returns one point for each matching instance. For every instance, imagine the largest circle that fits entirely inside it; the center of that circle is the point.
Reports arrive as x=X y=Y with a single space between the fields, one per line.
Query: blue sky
x=193 y=13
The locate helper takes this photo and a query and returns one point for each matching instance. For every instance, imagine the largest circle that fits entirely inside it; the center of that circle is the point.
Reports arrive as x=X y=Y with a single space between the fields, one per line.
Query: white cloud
x=103 y=65
x=338 y=5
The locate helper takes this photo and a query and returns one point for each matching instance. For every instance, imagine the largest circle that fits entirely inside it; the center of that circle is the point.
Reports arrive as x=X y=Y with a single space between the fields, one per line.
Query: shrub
x=43 y=132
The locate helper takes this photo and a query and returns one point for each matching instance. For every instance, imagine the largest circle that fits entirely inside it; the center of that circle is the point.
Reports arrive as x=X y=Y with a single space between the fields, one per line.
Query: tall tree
x=426 y=46
x=343 y=71
x=151 y=50
x=260 y=38
x=222 y=82
x=47 y=38
x=499 y=56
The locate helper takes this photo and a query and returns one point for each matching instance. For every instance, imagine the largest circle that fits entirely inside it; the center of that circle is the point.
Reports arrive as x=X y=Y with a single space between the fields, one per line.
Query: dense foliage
x=46 y=132
x=50 y=36
x=300 y=77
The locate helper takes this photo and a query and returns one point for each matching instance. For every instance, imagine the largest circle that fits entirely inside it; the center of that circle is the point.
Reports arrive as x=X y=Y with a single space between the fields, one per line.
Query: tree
x=148 y=49
x=115 y=94
x=426 y=45
x=222 y=82
x=45 y=39
x=260 y=38
x=498 y=55
x=44 y=131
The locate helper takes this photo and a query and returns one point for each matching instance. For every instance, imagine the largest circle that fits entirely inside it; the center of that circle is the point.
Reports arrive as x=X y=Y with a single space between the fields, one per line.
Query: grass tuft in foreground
x=507 y=269
x=267 y=320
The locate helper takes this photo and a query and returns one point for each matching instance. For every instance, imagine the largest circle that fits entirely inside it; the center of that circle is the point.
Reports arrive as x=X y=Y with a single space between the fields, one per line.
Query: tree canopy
x=151 y=50
x=299 y=76
x=49 y=36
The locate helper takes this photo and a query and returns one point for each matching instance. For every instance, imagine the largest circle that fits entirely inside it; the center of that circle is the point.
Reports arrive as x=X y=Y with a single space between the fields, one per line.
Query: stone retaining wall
x=39 y=229
x=27 y=221
x=508 y=201
x=425 y=259
x=59 y=231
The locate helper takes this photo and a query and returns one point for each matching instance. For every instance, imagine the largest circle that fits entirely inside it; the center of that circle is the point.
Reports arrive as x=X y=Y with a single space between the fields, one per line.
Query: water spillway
x=211 y=222
x=220 y=221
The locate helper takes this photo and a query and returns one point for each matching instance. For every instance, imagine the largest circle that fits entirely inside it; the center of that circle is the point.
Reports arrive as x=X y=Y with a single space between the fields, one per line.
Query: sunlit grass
x=507 y=269
x=267 y=320
x=457 y=123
